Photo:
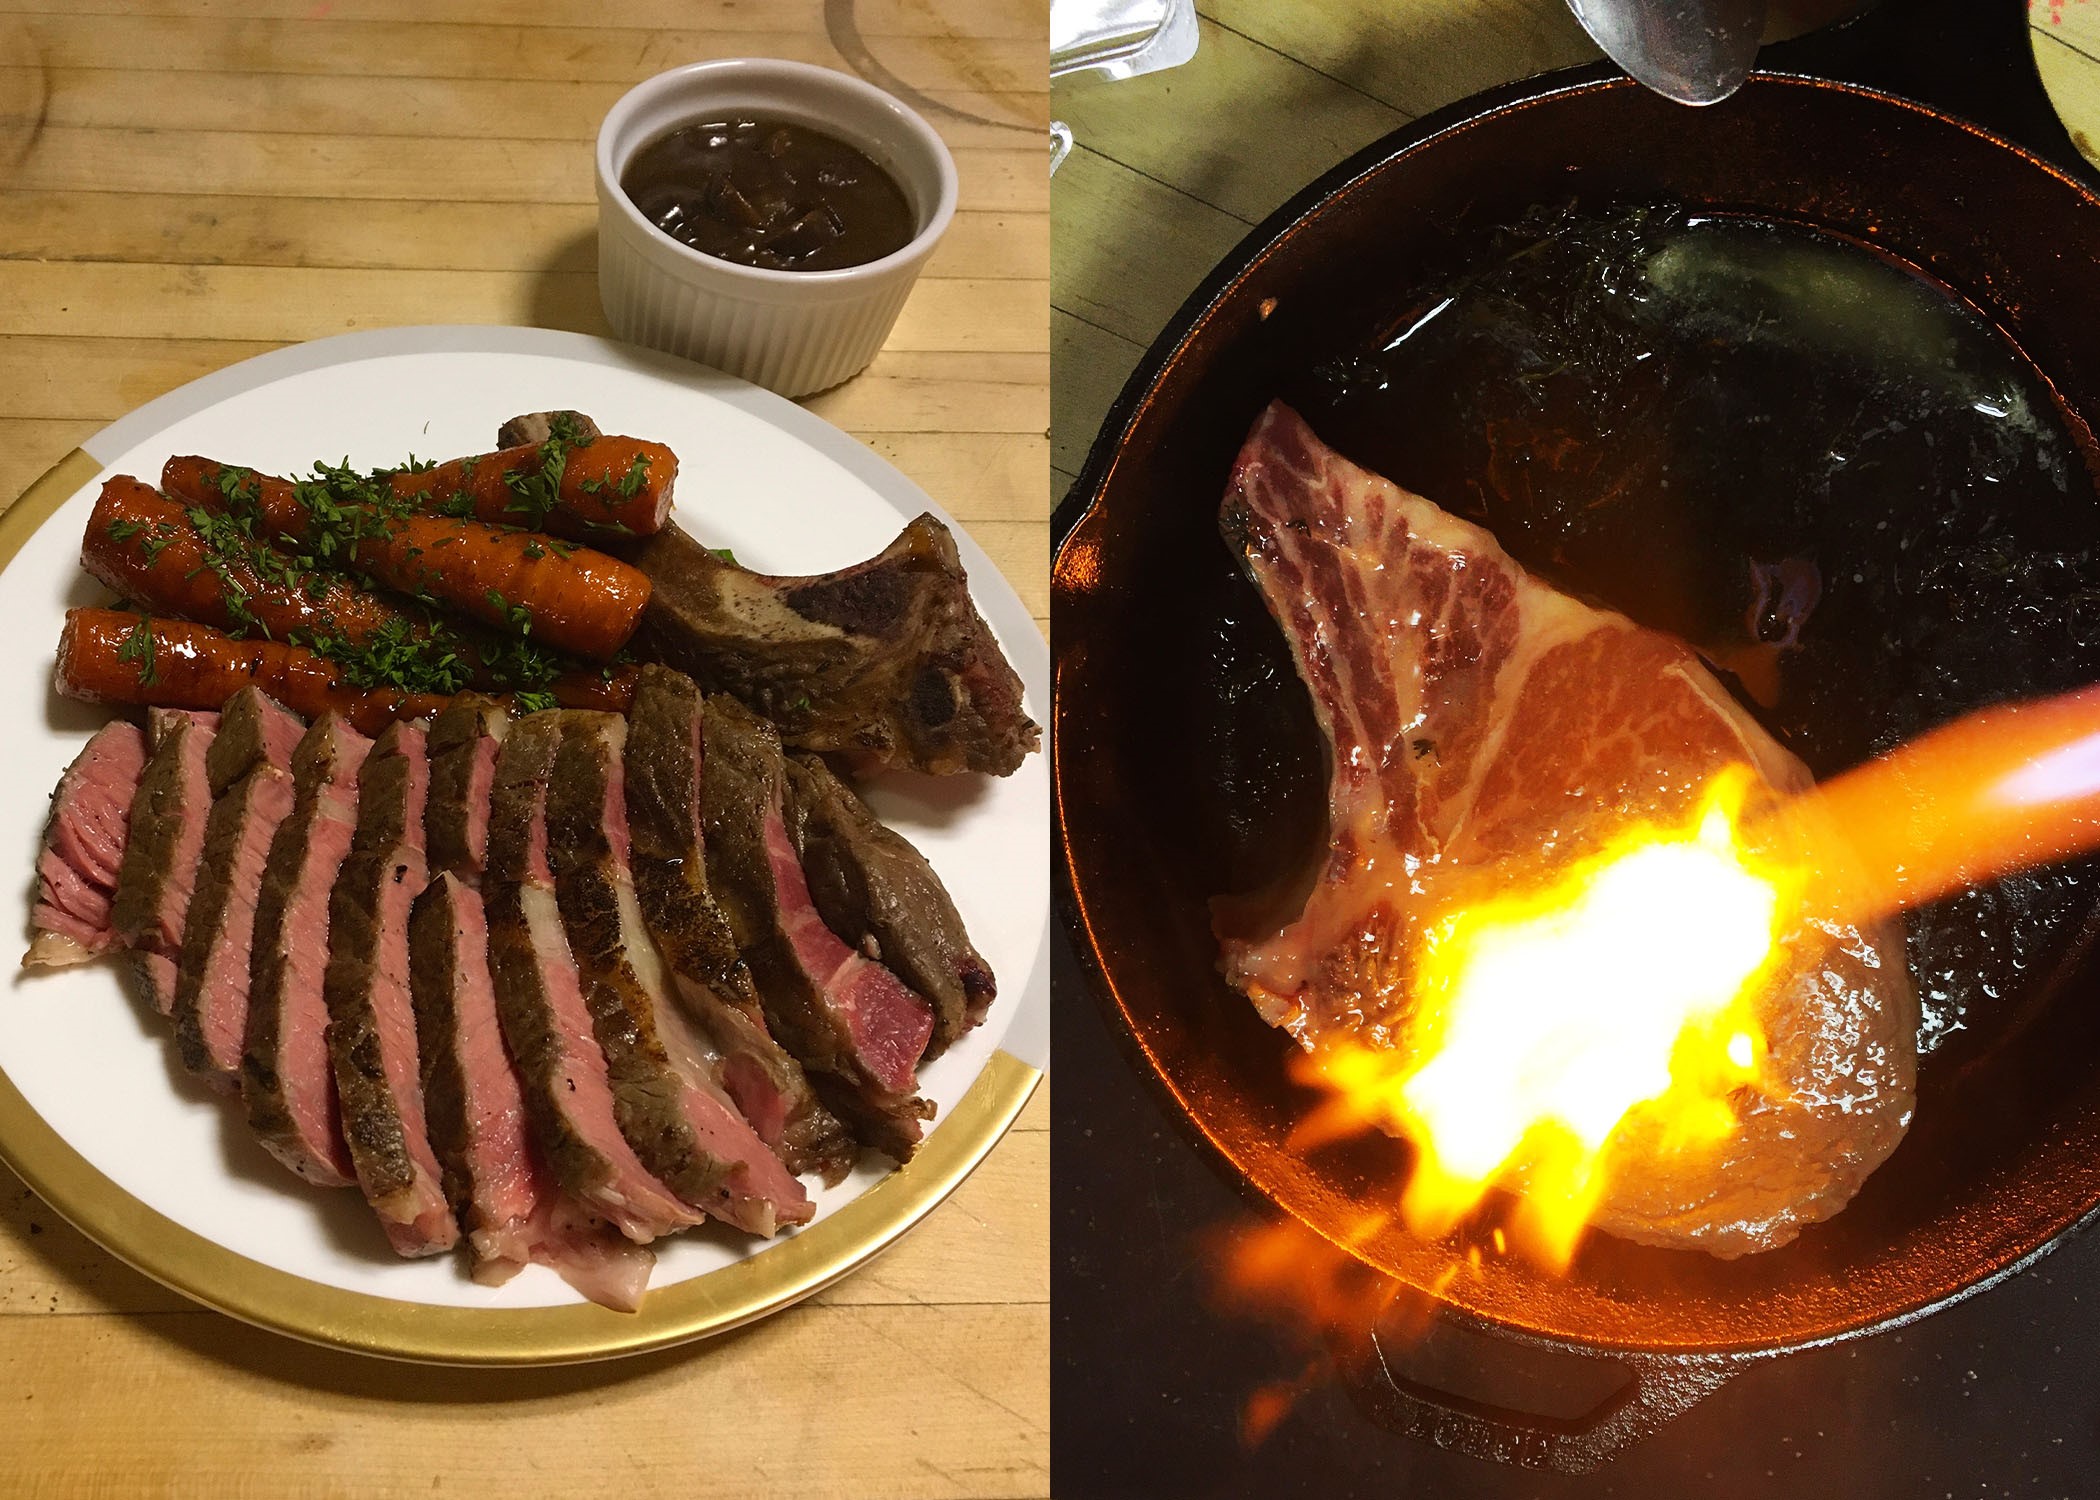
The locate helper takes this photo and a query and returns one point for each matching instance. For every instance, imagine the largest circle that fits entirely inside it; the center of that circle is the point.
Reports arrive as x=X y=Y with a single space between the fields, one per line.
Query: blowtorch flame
x=1542 y=1020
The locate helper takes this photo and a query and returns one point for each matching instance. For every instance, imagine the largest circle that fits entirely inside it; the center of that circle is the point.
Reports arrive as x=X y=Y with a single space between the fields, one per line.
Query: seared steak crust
x=878 y=894
x=847 y=1020
x=464 y=739
x=887 y=661
x=250 y=770
x=287 y=1080
x=371 y=1030
x=568 y=1091
x=670 y=875
x=671 y=1111
x=168 y=813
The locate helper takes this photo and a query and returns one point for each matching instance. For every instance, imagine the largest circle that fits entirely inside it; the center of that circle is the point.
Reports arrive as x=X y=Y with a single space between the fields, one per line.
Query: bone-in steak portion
x=878 y=893
x=250 y=770
x=667 y=1091
x=887 y=661
x=84 y=841
x=663 y=782
x=1477 y=717
x=287 y=1080
x=371 y=1019
x=856 y=1027
x=567 y=1086
x=159 y=871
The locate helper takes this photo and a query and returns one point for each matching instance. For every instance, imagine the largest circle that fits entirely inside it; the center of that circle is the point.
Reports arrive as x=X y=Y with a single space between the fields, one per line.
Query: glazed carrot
x=148 y=549
x=612 y=485
x=116 y=656
x=564 y=597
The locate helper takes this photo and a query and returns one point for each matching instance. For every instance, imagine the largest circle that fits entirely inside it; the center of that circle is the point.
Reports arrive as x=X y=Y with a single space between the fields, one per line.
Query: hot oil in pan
x=1826 y=472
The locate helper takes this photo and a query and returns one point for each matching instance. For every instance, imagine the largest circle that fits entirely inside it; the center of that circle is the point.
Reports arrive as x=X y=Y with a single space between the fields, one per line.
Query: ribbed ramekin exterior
x=792 y=333
x=794 y=347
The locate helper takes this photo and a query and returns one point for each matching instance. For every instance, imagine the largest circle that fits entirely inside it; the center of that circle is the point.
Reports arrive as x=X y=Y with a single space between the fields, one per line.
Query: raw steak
x=1479 y=720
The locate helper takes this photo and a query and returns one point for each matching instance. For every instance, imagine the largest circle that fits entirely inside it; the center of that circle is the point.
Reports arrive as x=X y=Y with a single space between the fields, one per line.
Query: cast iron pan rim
x=1216 y=288
x=1211 y=296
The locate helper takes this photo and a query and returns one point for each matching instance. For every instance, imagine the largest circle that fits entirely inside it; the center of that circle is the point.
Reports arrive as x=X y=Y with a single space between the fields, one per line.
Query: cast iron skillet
x=1149 y=610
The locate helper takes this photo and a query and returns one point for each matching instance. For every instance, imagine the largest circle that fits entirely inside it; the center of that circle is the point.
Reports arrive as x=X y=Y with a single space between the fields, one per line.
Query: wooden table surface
x=185 y=183
x=1170 y=170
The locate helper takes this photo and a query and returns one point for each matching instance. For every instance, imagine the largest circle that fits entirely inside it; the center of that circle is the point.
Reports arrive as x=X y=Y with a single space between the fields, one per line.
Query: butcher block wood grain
x=186 y=183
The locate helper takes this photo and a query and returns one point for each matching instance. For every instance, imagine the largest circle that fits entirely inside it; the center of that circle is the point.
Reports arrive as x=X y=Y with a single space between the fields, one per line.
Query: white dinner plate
x=96 y=1112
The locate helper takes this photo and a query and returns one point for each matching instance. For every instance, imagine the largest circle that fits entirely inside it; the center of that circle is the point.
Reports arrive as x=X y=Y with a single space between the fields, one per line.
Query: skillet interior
x=1158 y=636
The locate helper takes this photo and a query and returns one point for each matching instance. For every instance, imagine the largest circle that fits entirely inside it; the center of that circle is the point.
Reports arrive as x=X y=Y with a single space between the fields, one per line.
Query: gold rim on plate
x=714 y=1302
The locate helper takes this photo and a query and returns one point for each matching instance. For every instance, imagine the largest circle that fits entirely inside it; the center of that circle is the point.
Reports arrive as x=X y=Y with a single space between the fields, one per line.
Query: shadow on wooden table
x=564 y=289
x=258 y=1352
x=49 y=1268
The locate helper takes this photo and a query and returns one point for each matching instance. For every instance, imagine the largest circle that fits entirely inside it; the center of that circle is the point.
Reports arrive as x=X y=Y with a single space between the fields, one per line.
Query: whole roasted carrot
x=564 y=597
x=116 y=656
x=148 y=548
x=195 y=564
x=611 y=486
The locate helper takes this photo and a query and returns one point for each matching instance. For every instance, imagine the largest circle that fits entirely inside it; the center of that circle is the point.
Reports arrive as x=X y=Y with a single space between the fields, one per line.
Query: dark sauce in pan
x=1826 y=472
x=765 y=193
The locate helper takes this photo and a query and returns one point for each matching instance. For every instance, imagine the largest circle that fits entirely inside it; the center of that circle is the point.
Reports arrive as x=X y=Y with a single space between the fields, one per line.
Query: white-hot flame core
x=1572 y=1015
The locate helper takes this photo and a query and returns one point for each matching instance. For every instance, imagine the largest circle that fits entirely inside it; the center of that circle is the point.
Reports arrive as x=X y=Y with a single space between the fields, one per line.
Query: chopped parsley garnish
x=630 y=483
x=138 y=647
x=725 y=554
x=121 y=532
x=517 y=616
x=532 y=703
x=536 y=492
x=565 y=429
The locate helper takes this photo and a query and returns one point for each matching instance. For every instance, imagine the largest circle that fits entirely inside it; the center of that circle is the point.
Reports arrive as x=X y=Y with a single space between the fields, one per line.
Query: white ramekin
x=795 y=332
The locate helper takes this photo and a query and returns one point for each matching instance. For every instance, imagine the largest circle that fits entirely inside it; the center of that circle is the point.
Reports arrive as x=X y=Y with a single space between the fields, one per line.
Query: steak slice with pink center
x=159 y=870
x=878 y=893
x=853 y=1024
x=83 y=853
x=667 y=1089
x=464 y=741
x=287 y=1080
x=708 y=976
x=567 y=1085
x=250 y=769
x=371 y=1020
x=506 y=1200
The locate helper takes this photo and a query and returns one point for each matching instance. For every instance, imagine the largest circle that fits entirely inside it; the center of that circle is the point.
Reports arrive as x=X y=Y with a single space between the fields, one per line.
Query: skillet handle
x=1657 y=1389
x=1970 y=58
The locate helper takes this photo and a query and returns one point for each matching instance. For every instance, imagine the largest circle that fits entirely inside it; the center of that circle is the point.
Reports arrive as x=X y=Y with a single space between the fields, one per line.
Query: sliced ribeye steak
x=287 y=1080
x=159 y=872
x=667 y=1085
x=371 y=1017
x=878 y=893
x=463 y=743
x=250 y=770
x=1477 y=717
x=502 y=1193
x=887 y=662
x=663 y=780
x=854 y=1025
x=568 y=1088
x=84 y=842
